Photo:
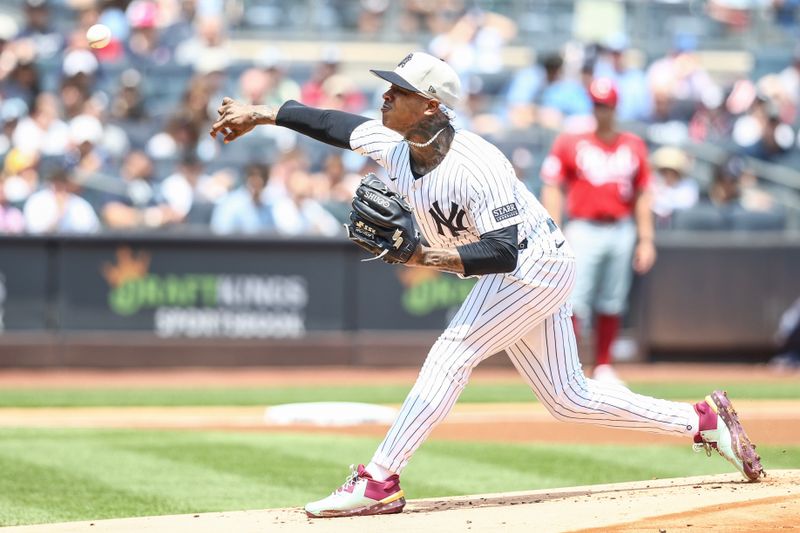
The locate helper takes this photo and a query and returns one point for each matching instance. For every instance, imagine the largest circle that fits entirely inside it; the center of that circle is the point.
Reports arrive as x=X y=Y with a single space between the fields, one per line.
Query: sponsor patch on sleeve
x=505 y=212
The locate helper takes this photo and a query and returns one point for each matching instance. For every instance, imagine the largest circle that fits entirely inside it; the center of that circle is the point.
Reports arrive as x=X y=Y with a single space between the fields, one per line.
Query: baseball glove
x=382 y=223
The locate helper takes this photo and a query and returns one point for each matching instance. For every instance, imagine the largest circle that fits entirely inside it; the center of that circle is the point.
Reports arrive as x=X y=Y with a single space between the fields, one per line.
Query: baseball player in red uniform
x=478 y=220
x=605 y=176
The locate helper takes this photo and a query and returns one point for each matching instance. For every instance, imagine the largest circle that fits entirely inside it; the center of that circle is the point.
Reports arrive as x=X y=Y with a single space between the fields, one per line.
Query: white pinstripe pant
x=530 y=320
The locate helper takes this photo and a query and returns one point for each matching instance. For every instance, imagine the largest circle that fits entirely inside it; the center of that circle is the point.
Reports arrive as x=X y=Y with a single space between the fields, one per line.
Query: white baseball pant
x=527 y=316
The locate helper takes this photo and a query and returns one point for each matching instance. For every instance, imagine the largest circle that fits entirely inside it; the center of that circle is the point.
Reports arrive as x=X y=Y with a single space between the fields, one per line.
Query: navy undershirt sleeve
x=496 y=252
x=325 y=125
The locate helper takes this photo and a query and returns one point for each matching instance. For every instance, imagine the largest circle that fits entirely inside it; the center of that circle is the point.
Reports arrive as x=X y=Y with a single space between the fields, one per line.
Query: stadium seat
x=139 y=132
x=770 y=60
x=758 y=221
x=264 y=14
x=164 y=86
x=699 y=218
x=164 y=167
x=200 y=214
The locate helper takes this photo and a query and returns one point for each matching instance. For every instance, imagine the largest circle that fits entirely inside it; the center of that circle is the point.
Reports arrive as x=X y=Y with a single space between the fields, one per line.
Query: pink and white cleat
x=360 y=496
x=721 y=430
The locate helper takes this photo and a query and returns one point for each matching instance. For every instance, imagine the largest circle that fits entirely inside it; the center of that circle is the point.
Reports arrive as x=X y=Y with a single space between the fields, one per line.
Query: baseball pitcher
x=460 y=193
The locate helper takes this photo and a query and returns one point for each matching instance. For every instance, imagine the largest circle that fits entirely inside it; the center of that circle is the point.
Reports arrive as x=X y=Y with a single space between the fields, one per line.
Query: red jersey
x=601 y=178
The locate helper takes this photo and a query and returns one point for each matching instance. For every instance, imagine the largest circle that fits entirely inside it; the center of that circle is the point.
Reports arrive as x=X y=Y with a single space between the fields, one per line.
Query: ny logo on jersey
x=454 y=221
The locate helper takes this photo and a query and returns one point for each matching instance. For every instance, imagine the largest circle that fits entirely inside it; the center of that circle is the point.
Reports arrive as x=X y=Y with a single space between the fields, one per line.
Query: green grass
x=51 y=475
x=474 y=393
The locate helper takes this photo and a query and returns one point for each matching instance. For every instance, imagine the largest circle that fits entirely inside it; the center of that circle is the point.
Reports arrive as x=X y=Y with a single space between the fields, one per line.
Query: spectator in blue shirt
x=542 y=95
x=245 y=210
x=635 y=102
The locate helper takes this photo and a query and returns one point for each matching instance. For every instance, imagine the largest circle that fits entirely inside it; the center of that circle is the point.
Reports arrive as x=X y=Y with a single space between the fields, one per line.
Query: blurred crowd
x=116 y=138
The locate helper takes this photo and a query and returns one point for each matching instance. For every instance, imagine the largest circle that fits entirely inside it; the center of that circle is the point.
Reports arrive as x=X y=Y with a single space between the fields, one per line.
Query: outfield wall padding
x=122 y=300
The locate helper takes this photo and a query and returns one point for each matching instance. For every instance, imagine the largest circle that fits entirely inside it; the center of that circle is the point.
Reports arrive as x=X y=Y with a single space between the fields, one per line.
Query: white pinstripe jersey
x=474 y=190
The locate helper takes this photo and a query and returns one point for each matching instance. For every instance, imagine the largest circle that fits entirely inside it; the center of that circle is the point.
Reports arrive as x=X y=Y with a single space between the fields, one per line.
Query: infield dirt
x=767 y=421
x=706 y=503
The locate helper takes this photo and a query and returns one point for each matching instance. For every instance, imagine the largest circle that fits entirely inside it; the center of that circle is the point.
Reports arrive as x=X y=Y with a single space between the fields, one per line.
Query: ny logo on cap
x=405 y=60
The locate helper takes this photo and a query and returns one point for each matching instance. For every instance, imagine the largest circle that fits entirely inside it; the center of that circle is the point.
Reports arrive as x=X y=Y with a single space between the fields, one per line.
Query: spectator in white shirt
x=57 y=208
x=180 y=189
x=300 y=213
x=43 y=131
x=673 y=189
x=678 y=80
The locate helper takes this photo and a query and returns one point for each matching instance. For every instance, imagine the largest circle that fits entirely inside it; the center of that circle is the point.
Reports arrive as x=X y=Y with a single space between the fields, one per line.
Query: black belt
x=604 y=221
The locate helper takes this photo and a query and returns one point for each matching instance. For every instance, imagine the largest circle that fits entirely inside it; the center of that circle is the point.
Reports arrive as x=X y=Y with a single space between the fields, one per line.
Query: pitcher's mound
x=703 y=503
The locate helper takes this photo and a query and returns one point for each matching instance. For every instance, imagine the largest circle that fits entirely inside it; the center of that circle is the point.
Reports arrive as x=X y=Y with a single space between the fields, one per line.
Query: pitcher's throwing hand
x=236 y=118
